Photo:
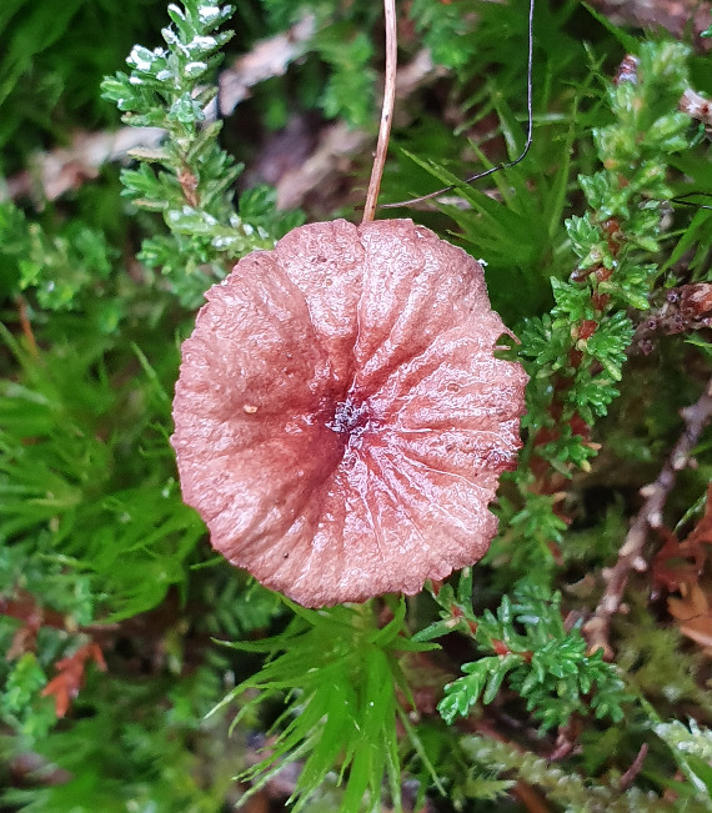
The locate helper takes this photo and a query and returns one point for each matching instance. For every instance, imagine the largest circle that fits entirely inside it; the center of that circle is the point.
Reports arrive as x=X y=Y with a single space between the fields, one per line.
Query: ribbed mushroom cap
x=341 y=421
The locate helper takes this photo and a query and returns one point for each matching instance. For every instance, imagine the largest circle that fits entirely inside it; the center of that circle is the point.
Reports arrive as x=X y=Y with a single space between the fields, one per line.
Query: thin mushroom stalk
x=389 y=98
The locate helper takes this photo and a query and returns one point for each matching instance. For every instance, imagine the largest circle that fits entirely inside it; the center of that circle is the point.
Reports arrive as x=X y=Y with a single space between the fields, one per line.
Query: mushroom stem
x=389 y=95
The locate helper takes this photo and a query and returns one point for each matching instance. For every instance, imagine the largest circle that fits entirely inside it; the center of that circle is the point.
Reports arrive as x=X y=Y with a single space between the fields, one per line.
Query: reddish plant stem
x=630 y=557
x=389 y=95
x=629 y=776
x=548 y=480
x=27 y=326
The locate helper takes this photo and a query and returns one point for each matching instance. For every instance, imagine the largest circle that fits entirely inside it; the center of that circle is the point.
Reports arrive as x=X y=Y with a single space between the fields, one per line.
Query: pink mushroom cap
x=341 y=421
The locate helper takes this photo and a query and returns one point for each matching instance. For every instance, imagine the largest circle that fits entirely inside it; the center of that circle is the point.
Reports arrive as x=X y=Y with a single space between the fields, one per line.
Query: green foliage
x=159 y=90
x=67 y=270
x=64 y=436
x=656 y=665
x=97 y=547
x=137 y=745
x=609 y=246
x=189 y=178
x=234 y=606
x=530 y=200
x=693 y=748
x=565 y=788
x=340 y=674
x=349 y=91
x=21 y=707
x=51 y=64
x=544 y=663
x=445 y=28
x=343 y=44
x=575 y=354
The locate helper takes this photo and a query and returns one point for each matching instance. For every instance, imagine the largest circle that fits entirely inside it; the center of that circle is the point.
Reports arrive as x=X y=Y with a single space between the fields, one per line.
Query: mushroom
x=341 y=420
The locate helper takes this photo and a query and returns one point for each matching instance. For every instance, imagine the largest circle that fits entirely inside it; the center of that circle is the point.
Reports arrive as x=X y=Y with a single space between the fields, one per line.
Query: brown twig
x=629 y=776
x=268 y=58
x=26 y=326
x=650 y=516
x=696 y=106
x=389 y=97
x=55 y=172
x=567 y=738
x=686 y=308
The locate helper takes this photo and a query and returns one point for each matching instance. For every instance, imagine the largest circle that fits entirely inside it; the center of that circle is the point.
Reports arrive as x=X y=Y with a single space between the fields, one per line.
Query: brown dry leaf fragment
x=65 y=686
x=696 y=301
x=694 y=615
x=379 y=418
x=682 y=563
x=677 y=563
x=680 y=566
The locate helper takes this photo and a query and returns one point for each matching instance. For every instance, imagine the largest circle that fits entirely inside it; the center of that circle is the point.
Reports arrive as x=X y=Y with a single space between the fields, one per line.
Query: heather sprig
x=526 y=642
x=582 y=345
x=188 y=177
x=575 y=354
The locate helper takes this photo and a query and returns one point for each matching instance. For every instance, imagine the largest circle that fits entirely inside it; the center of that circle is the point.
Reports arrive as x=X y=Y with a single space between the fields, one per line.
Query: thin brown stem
x=389 y=95
x=27 y=326
x=650 y=516
x=629 y=776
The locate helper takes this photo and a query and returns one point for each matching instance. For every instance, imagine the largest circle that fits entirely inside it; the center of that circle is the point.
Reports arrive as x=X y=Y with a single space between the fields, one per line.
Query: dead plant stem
x=630 y=555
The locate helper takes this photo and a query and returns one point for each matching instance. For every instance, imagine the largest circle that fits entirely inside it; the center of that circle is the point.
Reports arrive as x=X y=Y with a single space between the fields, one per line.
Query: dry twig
x=697 y=106
x=650 y=516
x=686 y=308
x=56 y=172
x=269 y=58
x=629 y=776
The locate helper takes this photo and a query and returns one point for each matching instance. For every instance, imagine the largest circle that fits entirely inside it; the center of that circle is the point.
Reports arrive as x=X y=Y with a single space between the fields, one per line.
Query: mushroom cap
x=341 y=421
